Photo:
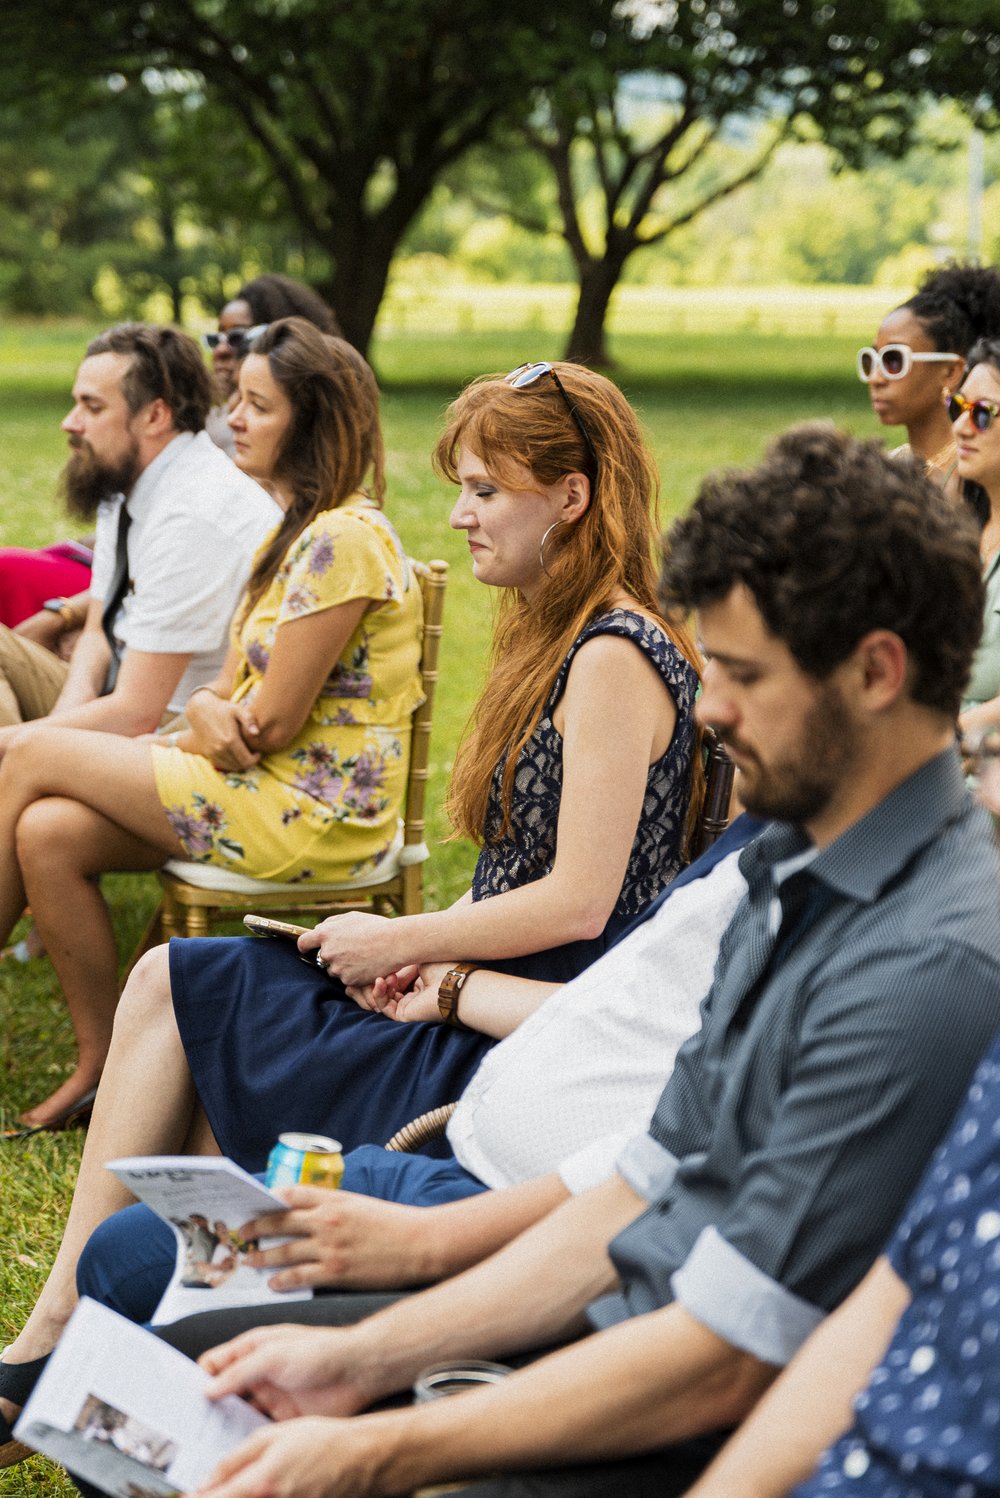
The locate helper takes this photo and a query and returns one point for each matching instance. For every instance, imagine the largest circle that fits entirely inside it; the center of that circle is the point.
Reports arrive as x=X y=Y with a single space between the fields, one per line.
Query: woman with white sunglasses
x=920 y=351
x=974 y=413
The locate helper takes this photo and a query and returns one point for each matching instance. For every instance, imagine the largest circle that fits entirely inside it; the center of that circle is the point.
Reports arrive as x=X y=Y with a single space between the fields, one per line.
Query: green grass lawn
x=707 y=399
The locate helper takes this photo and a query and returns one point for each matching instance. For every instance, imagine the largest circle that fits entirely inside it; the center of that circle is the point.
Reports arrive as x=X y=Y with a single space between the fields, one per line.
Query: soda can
x=305 y=1160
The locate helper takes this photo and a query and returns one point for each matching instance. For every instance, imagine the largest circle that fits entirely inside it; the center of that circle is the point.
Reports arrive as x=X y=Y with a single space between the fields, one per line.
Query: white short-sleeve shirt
x=196 y=522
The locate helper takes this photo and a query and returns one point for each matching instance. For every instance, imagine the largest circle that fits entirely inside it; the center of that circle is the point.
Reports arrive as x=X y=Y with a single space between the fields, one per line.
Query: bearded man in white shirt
x=177 y=526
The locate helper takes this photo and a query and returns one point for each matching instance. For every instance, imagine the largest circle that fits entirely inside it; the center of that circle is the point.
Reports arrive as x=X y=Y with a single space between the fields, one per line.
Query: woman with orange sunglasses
x=973 y=412
x=920 y=350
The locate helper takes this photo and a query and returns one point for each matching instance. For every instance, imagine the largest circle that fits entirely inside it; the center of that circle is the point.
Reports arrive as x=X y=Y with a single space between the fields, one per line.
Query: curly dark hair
x=957 y=304
x=273 y=296
x=166 y=365
x=834 y=538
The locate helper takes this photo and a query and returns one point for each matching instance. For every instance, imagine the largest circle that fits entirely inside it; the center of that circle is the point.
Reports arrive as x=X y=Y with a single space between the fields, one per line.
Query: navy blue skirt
x=275 y=1045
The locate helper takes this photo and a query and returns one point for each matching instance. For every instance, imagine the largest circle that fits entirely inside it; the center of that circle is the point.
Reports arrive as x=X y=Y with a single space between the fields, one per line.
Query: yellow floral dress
x=325 y=807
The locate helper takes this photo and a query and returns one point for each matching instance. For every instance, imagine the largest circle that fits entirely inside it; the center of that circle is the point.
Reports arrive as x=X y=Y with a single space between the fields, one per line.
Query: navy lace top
x=527 y=851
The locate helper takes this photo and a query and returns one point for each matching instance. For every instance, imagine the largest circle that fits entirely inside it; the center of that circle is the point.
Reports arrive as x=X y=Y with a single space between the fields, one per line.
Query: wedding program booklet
x=121 y=1409
x=206 y=1200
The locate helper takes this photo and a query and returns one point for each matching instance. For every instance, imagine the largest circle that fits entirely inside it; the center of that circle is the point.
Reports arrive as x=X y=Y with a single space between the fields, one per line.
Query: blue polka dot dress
x=928 y=1424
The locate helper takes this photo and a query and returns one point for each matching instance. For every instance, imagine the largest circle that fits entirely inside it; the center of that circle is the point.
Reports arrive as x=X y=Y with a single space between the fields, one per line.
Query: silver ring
x=320 y=963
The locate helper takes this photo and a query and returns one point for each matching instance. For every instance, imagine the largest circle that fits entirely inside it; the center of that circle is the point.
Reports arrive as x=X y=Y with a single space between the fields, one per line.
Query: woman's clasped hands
x=409 y=995
x=222 y=730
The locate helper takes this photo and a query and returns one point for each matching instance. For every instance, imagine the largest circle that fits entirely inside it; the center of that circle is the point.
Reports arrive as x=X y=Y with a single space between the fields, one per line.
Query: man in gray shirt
x=839 y=602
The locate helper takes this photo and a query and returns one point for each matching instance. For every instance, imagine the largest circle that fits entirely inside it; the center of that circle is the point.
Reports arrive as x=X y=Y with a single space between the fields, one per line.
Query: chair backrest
x=433 y=579
x=719 y=774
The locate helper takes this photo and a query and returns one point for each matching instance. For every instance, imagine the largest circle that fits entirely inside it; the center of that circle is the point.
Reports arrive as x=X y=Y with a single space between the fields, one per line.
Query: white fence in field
x=460 y=307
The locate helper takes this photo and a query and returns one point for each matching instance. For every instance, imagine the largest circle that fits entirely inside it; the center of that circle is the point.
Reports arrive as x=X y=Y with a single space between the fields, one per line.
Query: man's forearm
x=530 y=1294
x=810 y=1405
x=458 y=1235
x=496 y=1003
x=646 y=1384
x=86 y=675
x=143 y=691
x=116 y=713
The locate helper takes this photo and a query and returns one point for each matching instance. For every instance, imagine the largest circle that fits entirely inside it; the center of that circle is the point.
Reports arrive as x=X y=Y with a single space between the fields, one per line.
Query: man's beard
x=86 y=481
x=800 y=787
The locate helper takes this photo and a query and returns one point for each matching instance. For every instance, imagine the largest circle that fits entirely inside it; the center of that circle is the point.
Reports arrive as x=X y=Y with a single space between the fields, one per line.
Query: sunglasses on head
x=982 y=414
x=238 y=339
x=526 y=375
x=895 y=360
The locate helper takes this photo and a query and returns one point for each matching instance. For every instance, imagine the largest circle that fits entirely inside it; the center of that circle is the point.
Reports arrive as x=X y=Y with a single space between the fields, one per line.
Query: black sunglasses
x=238 y=339
x=527 y=374
x=981 y=413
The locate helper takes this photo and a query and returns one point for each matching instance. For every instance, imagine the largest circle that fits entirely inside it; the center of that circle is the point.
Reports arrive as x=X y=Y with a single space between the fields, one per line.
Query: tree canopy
x=357 y=107
x=340 y=119
x=858 y=73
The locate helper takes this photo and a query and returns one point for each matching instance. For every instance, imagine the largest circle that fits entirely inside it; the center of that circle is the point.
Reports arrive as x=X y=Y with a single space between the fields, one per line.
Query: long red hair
x=612 y=548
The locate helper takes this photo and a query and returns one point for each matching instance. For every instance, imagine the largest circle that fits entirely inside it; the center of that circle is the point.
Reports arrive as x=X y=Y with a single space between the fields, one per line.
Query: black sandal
x=74 y=1115
x=17 y=1380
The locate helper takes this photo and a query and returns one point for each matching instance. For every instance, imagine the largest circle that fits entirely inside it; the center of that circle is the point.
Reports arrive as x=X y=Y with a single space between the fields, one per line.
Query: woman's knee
x=20 y=762
x=147 y=998
x=43 y=835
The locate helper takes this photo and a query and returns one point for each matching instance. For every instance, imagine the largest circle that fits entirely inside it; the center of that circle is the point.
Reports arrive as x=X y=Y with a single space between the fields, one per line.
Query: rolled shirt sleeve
x=647 y=1166
x=771 y=1323
x=761 y=1234
x=185 y=604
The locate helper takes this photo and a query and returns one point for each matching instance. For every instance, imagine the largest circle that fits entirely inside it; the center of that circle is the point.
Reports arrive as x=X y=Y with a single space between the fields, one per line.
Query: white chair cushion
x=210 y=876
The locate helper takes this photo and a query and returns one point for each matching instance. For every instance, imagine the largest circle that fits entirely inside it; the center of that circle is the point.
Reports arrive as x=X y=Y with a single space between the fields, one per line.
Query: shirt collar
x=146 y=483
x=865 y=858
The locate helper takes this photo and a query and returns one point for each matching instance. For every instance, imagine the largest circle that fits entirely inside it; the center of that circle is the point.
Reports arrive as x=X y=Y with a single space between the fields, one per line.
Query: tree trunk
x=362 y=256
x=587 y=342
x=170 y=267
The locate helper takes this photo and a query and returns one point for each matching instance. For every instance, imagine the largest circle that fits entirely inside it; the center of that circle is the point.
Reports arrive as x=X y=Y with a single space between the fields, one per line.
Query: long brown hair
x=610 y=549
x=334 y=437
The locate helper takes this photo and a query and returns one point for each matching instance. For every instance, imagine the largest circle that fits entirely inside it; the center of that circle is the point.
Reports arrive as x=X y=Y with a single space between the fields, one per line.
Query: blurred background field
x=713 y=377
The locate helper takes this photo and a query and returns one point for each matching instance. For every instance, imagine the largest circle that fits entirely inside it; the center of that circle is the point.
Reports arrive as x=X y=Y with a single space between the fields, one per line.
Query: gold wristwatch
x=64 y=609
x=449 y=989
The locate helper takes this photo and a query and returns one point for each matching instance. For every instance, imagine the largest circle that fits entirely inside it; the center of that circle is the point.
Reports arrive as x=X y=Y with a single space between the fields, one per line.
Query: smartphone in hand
x=260 y=925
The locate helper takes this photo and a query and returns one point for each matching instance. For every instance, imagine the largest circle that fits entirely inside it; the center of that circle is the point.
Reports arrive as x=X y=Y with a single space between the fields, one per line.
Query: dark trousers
x=663 y=1474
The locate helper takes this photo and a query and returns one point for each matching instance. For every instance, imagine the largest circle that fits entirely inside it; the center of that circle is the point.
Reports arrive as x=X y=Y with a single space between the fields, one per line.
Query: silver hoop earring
x=541 y=545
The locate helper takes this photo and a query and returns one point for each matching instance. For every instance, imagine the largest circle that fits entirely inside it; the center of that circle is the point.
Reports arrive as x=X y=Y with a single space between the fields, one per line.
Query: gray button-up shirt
x=855 y=991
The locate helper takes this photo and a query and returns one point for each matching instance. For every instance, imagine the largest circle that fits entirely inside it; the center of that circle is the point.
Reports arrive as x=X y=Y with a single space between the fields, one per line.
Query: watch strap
x=449 y=992
x=63 y=608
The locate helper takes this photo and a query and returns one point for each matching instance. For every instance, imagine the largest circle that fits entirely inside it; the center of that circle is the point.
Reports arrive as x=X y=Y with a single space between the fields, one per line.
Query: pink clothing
x=28 y=578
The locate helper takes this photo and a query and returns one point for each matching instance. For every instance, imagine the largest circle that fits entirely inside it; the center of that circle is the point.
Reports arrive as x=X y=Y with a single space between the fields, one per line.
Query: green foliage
x=357 y=109
x=632 y=132
x=308 y=138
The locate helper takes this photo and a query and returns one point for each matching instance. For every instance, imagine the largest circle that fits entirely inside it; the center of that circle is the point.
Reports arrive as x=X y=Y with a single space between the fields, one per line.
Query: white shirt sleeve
x=592 y=1164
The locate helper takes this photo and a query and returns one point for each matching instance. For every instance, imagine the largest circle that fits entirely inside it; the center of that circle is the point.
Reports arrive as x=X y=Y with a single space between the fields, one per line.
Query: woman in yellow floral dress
x=325 y=806
x=293 y=764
